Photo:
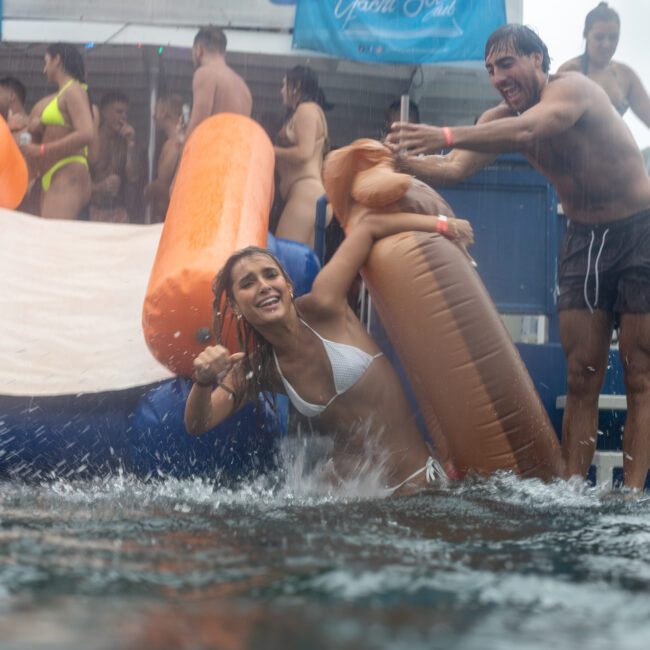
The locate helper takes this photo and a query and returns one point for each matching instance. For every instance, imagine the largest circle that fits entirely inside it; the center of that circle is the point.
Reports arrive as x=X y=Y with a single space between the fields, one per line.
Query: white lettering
x=429 y=8
x=348 y=9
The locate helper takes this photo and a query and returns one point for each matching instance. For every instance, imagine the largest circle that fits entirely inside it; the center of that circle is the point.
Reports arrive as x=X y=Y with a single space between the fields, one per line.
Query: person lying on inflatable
x=313 y=348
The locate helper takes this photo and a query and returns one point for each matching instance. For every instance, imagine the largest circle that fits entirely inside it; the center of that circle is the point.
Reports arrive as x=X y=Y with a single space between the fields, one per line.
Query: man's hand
x=111 y=184
x=213 y=363
x=17 y=121
x=127 y=132
x=415 y=139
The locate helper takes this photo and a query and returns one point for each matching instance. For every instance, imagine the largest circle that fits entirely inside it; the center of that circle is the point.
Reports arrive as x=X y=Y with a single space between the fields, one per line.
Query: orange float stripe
x=220 y=203
x=13 y=170
x=474 y=392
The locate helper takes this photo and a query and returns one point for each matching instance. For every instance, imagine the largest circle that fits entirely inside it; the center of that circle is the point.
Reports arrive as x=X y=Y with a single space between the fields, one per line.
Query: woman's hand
x=461 y=232
x=213 y=363
x=31 y=151
x=17 y=121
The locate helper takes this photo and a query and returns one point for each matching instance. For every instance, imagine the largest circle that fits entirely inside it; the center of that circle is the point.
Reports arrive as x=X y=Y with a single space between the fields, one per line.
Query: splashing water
x=290 y=560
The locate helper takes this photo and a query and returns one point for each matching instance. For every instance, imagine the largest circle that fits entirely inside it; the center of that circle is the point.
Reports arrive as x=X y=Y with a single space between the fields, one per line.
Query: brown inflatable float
x=220 y=203
x=473 y=390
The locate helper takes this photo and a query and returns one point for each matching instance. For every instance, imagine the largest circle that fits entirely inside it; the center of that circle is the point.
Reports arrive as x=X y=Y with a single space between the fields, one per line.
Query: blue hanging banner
x=398 y=31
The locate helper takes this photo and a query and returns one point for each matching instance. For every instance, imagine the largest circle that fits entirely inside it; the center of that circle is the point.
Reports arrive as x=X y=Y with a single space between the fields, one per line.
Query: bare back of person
x=231 y=93
x=595 y=165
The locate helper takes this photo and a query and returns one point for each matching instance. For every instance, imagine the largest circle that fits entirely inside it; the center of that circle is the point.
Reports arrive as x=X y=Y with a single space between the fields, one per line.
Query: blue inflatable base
x=141 y=430
x=138 y=431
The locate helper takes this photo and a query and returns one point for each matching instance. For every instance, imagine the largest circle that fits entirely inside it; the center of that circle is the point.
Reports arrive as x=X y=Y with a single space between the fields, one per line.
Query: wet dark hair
x=212 y=38
x=71 y=60
x=522 y=39
x=602 y=13
x=304 y=79
x=113 y=97
x=259 y=372
x=12 y=83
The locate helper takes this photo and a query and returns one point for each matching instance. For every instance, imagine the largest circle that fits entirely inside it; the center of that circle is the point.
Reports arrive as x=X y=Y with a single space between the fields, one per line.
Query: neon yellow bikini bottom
x=46 y=179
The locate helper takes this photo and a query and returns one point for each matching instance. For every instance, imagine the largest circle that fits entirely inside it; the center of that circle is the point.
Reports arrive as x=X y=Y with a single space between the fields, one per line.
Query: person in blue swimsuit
x=62 y=128
x=314 y=349
x=622 y=85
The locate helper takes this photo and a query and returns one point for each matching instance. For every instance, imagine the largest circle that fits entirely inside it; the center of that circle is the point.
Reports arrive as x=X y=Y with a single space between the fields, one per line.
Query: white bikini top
x=349 y=364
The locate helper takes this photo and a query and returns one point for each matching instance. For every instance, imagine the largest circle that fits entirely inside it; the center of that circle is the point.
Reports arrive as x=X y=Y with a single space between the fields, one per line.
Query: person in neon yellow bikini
x=62 y=128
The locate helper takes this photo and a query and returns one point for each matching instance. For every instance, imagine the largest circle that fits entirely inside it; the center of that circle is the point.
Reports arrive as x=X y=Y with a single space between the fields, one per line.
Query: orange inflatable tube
x=473 y=390
x=220 y=203
x=13 y=170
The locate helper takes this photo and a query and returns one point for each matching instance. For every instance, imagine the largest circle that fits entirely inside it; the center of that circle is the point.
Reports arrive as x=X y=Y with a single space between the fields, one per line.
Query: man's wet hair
x=12 y=83
x=523 y=40
x=212 y=38
x=113 y=97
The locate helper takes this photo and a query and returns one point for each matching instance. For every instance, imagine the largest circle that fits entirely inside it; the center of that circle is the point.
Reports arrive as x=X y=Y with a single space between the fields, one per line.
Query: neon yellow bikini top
x=52 y=114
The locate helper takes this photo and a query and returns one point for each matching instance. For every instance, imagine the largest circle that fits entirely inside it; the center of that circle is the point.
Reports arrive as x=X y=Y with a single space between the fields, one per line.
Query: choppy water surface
x=504 y=563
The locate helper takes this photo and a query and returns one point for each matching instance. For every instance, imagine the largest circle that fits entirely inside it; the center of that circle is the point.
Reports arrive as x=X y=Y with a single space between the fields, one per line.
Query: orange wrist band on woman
x=41 y=149
x=449 y=138
x=442 y=224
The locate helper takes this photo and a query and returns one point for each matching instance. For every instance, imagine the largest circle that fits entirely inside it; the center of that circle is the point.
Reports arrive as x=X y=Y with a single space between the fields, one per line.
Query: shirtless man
x=12 y=104
x=216 y=88
x=12 y=108
x=564 y=124
x=114 y=161
x=167 y=115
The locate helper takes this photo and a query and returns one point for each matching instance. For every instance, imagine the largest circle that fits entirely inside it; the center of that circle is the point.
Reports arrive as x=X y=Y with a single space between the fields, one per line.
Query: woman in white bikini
x=62 y=127
x=315 y=350
x=302 y=143
x=619 y=81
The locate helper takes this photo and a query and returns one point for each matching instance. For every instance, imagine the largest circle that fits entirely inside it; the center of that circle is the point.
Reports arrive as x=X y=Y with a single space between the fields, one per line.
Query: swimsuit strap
x=324 y=340
x=64 y=87
x=433 y=471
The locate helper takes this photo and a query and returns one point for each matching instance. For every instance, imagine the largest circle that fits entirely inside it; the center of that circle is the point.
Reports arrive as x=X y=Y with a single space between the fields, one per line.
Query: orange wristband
x=442 y=224
x=449 y=138
x=41 y=149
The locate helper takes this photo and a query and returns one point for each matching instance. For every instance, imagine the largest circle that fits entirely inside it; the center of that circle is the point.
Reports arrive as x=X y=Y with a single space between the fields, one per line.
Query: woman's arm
x=331 y=285
x=305 y=122
x=207 y=406
x=35 y=126
x=78 y=108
